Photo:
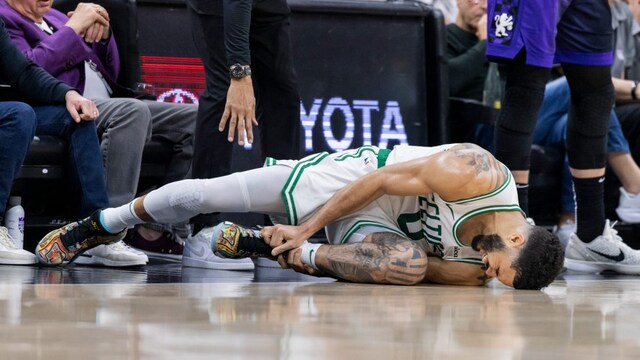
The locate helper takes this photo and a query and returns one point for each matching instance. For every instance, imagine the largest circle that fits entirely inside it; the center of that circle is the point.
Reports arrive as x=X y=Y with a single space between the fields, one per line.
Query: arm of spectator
x=79 y=107
x=26 y=77
x=623 y=90
x=464 y=68
x=55 y=53
x=102 y=42
x=84 y=17
x=107 y=52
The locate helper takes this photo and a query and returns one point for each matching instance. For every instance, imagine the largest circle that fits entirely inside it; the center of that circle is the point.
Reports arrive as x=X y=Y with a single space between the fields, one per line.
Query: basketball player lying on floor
x=447 y=214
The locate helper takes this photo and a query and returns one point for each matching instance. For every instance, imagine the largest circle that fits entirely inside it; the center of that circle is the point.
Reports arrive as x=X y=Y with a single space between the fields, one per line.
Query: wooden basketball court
x=163 y=311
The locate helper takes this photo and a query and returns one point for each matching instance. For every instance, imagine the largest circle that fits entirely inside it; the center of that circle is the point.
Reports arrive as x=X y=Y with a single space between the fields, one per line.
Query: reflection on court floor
x=163 y=311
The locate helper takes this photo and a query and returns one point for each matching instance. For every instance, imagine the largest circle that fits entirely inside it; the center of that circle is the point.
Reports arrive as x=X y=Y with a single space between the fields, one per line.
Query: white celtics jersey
x=436 y=220
x=316 y=178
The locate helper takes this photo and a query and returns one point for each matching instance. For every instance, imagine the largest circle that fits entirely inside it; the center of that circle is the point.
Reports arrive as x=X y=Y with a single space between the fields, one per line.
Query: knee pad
x=592 y=99
x=524 y=92
x=188 y=196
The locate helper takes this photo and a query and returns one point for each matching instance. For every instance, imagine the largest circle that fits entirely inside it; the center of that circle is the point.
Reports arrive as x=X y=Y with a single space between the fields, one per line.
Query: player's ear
x=516 y=239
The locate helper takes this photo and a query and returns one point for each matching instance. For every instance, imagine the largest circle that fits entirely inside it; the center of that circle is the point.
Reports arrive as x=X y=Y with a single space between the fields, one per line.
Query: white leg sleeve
x=255 y=190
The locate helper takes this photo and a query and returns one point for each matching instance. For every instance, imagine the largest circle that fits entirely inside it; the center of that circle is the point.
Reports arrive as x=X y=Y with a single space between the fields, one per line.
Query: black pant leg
x=278 y=107
x=212 y=151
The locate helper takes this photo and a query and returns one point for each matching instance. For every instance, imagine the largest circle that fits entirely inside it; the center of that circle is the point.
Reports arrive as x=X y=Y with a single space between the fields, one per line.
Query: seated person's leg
x=623 y=164
x=17 y=127
x=87 y=175
x=124 y=126
x=173 y=125
x=629 y=117
x=86 y=169
x=554 y=109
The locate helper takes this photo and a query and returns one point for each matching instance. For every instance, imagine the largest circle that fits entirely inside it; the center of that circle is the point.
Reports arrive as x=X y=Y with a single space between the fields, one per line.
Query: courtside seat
x=46 y=159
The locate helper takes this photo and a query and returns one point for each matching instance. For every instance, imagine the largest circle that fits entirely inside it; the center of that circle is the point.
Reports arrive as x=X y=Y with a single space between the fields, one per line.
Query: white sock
x=115 y=220
x=308 y=255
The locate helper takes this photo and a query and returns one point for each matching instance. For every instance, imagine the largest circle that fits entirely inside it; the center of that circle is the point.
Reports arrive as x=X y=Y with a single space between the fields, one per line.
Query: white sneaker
x=10 y=254
x=564 y=231
x=197 y=253
x=628 y=209
x=114 y=255
x=606 y=252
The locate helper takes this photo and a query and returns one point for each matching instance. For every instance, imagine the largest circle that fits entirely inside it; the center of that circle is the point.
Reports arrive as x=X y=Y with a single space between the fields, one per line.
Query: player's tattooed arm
x=455 y=273
x=482 y=162
x=382 y=258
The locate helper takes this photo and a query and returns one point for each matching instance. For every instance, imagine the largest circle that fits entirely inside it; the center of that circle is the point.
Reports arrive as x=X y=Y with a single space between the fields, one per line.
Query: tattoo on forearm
x=384 y=258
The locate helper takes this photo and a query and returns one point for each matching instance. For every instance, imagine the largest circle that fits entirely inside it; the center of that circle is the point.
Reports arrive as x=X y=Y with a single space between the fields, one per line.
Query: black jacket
x=237 y=16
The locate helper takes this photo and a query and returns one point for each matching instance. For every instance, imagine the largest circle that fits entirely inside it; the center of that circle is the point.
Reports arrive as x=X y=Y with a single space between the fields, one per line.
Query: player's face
x=497 y=257
x=498 y=264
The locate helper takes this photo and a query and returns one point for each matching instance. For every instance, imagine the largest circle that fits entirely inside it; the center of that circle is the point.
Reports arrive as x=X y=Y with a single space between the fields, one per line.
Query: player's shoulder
x=476 y=164
x=470 y=156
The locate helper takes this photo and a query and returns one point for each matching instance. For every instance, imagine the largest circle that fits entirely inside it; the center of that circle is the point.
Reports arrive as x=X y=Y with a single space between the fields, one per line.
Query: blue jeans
x=551 y=129
x=19 y=123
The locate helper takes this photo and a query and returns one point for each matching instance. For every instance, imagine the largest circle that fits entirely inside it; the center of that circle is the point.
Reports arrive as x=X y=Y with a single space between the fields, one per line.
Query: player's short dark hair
x=540 y=260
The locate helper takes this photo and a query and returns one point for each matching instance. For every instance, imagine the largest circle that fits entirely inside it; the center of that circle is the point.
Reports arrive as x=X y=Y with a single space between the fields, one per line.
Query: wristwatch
x=238 y=71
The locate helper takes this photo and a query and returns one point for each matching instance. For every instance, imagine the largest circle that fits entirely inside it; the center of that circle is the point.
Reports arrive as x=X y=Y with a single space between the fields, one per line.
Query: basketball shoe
x=606 y=252
x=564 y=231
x=10 y=254
x=628 y=209
x=117 y=254
x=226 y=246
x=70 y=241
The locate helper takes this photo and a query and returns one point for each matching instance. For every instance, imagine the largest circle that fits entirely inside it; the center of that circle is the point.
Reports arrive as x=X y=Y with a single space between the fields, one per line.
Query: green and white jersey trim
x=480 y=211
x=494 y=192
x=287 y=191
x=315 y=172
x=270 y=162
x=365 y=223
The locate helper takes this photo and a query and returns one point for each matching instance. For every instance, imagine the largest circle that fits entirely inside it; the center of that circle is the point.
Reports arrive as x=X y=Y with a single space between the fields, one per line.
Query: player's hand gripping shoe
x=68 y=242
x=233 y=241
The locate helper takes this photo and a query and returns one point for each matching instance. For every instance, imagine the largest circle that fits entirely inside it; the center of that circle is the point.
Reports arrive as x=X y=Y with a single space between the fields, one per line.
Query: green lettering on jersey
x=425 y=223
x=406 y=221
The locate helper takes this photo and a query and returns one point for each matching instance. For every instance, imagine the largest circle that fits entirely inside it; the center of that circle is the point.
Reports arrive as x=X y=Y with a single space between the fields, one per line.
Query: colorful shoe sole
x=52 y=251
x=227 y=243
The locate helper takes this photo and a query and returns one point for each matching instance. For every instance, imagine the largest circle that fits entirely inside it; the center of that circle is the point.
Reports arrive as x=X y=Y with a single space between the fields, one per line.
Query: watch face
x=237 y=71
